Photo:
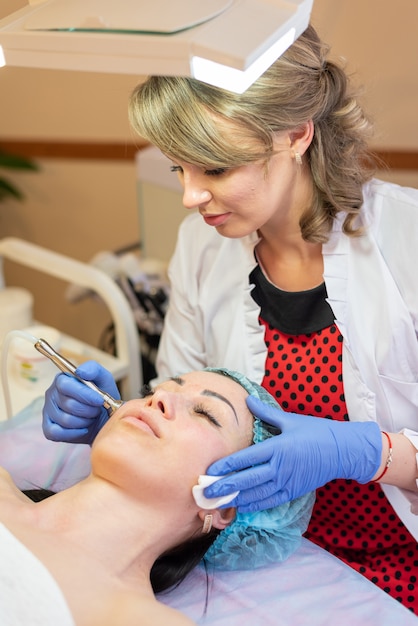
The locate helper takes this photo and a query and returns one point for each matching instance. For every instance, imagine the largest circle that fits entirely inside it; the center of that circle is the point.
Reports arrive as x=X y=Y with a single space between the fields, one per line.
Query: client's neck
x=123 y=532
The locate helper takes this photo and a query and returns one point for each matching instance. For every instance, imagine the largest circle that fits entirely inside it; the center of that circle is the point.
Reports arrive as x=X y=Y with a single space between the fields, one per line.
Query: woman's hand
x=308 y=453
x=73 y=412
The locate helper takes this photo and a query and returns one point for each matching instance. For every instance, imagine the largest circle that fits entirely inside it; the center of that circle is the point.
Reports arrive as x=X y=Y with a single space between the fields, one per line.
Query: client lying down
x=99 y=550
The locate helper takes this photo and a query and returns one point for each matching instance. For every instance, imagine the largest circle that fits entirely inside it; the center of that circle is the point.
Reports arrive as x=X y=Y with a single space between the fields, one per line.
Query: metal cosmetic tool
x=111 y=404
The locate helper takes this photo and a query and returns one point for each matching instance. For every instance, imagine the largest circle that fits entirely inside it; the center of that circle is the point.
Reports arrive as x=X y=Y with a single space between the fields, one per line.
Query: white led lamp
x=227 y=43
x=239 y=80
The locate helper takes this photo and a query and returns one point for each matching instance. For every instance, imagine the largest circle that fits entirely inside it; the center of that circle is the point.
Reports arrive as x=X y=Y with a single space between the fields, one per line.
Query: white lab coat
x=372 y=286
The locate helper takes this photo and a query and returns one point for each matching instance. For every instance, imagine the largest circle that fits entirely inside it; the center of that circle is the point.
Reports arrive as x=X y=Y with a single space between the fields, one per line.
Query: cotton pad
x=210 y=503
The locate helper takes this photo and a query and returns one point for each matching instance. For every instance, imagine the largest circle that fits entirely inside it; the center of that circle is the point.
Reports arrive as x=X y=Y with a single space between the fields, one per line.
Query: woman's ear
x=221 y=518
x=301 y=137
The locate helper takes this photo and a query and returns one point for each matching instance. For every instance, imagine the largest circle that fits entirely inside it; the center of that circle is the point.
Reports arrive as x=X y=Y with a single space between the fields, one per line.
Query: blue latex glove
x=73 y=412
x=308 y=453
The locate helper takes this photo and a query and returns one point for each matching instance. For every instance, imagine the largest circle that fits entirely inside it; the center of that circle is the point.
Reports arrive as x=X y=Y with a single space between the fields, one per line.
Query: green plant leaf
x=15 y=162
x=7 y=190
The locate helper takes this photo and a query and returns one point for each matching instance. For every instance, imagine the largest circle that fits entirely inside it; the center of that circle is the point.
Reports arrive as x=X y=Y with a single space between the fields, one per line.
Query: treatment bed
x=311 y=587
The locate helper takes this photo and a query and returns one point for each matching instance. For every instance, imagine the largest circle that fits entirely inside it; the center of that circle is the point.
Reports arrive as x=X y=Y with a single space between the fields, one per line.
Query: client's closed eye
x=201 y=410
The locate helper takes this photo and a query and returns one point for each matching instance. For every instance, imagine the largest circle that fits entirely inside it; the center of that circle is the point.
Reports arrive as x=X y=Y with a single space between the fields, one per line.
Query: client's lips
x=215 y=220
x=144 y=422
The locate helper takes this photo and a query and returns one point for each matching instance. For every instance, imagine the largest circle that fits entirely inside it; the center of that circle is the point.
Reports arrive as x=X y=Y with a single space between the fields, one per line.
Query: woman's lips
x=139 y=422
x=216 y=220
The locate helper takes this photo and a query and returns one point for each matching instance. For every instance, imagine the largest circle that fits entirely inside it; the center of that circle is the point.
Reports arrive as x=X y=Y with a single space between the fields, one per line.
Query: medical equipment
x=44 y=348
x=124 y=362
x=213 y=41
x=16 y=309
x=111 y=404
x=144 y=282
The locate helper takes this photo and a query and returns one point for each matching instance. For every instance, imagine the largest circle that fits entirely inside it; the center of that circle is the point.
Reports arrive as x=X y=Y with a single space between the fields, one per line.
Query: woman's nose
x=163 y=402
x=195 y=193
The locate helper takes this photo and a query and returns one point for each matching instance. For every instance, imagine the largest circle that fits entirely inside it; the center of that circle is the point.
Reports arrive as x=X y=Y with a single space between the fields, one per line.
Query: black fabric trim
x=292 y=312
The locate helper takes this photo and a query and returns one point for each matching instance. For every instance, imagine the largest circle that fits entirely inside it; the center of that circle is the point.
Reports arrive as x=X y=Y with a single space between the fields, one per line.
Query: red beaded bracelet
x=389 y=459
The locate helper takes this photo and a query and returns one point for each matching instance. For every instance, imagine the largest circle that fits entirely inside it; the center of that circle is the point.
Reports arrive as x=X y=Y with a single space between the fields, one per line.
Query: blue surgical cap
x=258 y=539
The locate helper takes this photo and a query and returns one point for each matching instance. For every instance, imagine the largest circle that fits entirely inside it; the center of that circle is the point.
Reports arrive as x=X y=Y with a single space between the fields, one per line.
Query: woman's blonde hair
x=188 y=120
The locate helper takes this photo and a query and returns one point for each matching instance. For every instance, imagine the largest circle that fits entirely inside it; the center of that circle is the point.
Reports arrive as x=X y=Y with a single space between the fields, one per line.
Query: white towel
x=29 y=596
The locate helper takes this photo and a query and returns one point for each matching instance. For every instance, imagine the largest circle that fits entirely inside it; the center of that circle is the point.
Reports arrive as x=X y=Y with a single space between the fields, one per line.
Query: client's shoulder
x=8 y=488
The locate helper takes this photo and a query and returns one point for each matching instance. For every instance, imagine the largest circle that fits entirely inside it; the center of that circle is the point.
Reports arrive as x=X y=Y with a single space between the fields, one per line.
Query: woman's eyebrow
x=214 y=394
x=177 y=379
x=208 y=392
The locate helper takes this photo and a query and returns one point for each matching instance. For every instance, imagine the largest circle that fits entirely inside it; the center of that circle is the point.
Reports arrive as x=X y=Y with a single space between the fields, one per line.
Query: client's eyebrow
x=214 y=394
x=208 y=392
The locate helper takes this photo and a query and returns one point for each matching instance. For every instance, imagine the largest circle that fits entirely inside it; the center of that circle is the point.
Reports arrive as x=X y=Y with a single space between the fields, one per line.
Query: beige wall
x=80 y=207
x=77 y=207
x=378 y=38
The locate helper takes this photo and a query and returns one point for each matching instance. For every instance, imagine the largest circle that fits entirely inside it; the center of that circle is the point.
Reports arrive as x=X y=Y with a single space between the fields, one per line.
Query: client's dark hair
x=172 y=567
x=36 y=495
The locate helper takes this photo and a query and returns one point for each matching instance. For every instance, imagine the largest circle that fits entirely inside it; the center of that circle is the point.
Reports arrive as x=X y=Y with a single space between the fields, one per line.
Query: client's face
x=177 y=431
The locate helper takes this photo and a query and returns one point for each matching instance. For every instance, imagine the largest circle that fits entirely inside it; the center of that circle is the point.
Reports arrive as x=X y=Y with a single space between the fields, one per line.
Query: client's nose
x=161 y=401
